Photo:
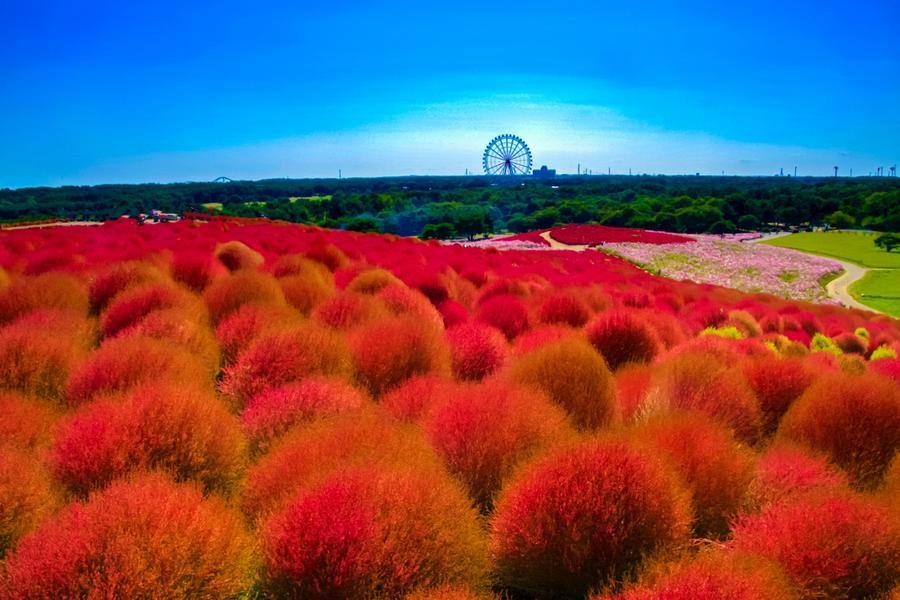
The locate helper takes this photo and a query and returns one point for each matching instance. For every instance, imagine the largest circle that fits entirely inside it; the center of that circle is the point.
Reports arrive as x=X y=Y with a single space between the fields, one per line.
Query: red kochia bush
x=783 y=472
x=195 y=269
x=574 y=376
x=185 y=327
x=374 y=532
x=837 y=545
x=282 y=356
x=186 y=433
x=118 y=277
x=888 y=367
x=698 y=381
x=622 y=337
x=36 y=358
x=853 y=419
x=274 y=411
x=129 y=307
x=586 y=516
x=477 y=350
x=310 y=454
x=564 y=309
x=390 y=351
x=238 y=255
x=121 y=364
x=145 y=538
x=482 y=432
x=777 y=382
x=227 y=294
x=419 y=395
x=27 y=495
x=51 y=290
x=348 y=309
x=238 y=329
x=26 y=423
x=716 y=469
x=712 y=576
x=632 y=383
x=505 y=312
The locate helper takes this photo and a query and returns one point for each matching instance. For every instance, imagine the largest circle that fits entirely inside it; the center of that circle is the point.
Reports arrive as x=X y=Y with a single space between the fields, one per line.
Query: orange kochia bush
x=140 y=538
x=28 y=495
x=186 y=433
x=586 y=516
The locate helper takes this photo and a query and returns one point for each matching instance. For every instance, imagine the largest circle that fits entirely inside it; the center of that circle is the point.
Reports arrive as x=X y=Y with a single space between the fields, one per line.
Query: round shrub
x=144 y=538
x=777 y=382
x=238 y=329
x=583 y=517
x=184 y=328
x=122 y=364
x=564 y=309
x=483 y=431
x=346 y=310
x=237 y=255
x=186 y=433
x=418 y=396
x=37 y=360
x=26 y=423
x=541 y=336
x=887 y=367
x=328 y=254
x=51 y=290
x=373 y=532
x=721 y=575
x=785 y=471
x=621 y=337
x=632 y=384
x=837 y=545
x=310 y=454
x=716 y=469
x=227 y=294
x=195 y=269
x=129 y=307
x=389 y=351
x=476 y=349
x=403 y=301
x=853 y=419
x=274 y=411
x=697 y=381
x=505 y=312
x=371 y=281
x=282 y=356
x=118 y=277
x=27 y=496
x=574 y=376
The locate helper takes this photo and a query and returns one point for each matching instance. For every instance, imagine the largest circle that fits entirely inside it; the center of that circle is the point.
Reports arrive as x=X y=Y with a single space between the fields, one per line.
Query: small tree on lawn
x=888 y=241
x=840 y=220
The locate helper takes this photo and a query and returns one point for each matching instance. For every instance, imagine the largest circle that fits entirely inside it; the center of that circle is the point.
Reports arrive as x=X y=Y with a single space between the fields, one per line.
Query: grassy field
x=880 y=290
x=854 y=247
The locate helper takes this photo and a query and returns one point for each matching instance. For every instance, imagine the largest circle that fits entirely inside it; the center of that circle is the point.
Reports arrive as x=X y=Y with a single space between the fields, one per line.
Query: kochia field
x=257 y=409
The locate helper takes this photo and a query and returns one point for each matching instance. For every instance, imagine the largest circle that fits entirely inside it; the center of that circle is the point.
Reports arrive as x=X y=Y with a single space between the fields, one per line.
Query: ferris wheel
x=507 y=154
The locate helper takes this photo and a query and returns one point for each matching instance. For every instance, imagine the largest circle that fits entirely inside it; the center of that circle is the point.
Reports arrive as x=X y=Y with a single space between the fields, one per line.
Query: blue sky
x=97 y=92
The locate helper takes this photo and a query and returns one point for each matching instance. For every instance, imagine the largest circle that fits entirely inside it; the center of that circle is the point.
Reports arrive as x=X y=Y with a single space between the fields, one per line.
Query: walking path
x=556 y=245
x=838 y=288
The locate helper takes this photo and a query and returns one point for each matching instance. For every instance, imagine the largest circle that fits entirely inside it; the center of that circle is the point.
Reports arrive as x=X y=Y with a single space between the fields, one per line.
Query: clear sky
x=134 y=91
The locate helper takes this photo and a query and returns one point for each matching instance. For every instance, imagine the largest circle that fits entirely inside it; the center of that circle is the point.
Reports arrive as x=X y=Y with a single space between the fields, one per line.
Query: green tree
x=749 y=222
x=840 y=220
x=888 y=241
x=438 y=231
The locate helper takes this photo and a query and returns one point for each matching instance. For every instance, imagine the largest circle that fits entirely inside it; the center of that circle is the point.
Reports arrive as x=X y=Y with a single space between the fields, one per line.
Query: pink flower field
x=728 y=262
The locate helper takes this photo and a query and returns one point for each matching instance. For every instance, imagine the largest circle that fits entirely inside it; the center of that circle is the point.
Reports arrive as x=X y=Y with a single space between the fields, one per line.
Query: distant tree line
x=443 y=207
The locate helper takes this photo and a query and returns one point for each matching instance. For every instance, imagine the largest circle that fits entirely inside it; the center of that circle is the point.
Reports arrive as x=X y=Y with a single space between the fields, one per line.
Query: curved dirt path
x=838 y=288
x=560 y=246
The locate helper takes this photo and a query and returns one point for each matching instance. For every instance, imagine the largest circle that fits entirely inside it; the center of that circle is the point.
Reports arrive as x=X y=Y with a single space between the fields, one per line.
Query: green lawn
x=880 y=290
x=853 y=247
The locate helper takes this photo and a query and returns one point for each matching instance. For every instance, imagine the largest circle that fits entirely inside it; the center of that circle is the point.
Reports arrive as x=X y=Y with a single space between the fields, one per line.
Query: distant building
x=544 y=172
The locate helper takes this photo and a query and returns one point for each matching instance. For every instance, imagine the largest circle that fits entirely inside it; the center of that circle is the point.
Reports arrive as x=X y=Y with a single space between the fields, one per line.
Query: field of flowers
x=729 y=262
x=257 y=409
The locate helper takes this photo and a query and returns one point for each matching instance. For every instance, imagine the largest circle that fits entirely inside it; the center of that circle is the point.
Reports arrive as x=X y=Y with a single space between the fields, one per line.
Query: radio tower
x=835 y=171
